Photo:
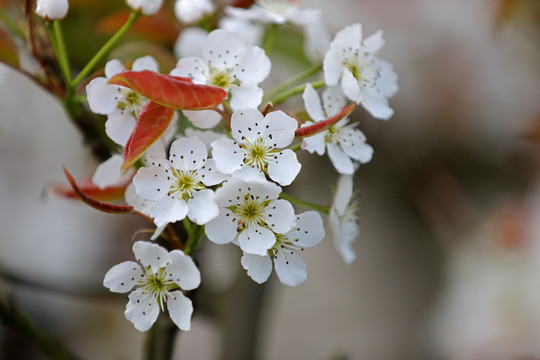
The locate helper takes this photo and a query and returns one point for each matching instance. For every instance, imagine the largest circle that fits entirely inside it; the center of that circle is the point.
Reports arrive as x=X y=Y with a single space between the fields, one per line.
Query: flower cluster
x=232 y=150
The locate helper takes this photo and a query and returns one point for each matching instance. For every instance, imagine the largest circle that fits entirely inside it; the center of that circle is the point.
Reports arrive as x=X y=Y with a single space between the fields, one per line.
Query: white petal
x=253 y=65
x=151 y=183
x=142 y=310
x=350 y=86
x=204 y=119
x=194 y=68
x=315 y=143
x=210 y=174
x=145 y=63
x=247 y=124
x=279 y=215
x=377 y=105
x=168 y=210
x=189 y=11
x=304 y=17
x=101 y=96
x=258 y=267
x=284 y=168
x=333 y=100
x=202 y=207
x=256 y=240
x=119 y=126
x=341 y=161
x=309 y=229
x=188 y=153
x=290 y=268
x=152 y=255
x=52 y=9
x=189 y=42
x=262 y=190
x=113 y=67
x=312 y=102
x=220 y=48
x=228 y=155
x=374 y=42
x=282 y=128
x=243 y=97
x=351 y=35
x=183 y=271
x=207 y=136
x=250 y=174
x=122 y=277
x=357 y=149
x=344 y=192
x=180 y=310
x=147 y=7
x=139 y=203
x=222 y=229
x=108 y=173
x=387 y=83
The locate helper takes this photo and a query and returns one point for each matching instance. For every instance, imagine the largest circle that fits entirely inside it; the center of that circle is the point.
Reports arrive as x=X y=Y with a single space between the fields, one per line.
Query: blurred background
x=448 y=261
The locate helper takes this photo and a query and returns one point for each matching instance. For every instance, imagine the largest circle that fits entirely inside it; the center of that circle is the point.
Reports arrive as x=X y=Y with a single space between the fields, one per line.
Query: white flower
x=343 y=141
x=364 y=78
x=189 y=11
x=52 y=9
x=179 y=186
x=189 y=42
x=250 y=214
x=290 y=267
x=147 y=7
x=227 y=63
x=158 y=280
x=256 y=148
x=275 y=12
x=250 y=33
x=343 y=219
x=120 y=104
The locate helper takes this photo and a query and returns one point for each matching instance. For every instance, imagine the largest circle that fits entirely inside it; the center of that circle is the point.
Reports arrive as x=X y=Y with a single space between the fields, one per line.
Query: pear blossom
x=52 y=9
x=275 y=12
x=227 y=63
x=250 y=214
x=158 y=279
x=257 y=147
x=190 y=11
x=343 y=141
x=120 y=104
x=364 y=78
x=147 y=7
x=343 y=219
x=178 y=186
x=189 y=42
x=289 y=265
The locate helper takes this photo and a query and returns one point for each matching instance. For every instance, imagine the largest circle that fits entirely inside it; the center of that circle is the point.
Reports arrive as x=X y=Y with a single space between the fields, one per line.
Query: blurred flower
x=159 y=281
x=190 y=11
x=147 y=7
x=52 y=9
x=364 y=78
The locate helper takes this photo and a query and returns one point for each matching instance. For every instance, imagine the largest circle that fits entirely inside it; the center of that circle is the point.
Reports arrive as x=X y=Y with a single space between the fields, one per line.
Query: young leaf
x=151 y=124
x=86 y=186
x=325 y=124
x=171 y=91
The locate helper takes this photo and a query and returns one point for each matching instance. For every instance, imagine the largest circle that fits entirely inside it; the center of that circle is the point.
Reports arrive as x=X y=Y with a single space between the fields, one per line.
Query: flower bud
x=190 y=11
x=147 y=7
x=52 y=9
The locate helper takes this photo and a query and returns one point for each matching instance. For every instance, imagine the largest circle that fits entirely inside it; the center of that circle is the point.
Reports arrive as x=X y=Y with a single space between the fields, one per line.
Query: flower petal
x=256 y=240
x=188 y=153
x=142 y=310
x=122 y=277
x=168 y=210
x=152 y=255
x=246 y=124
x=356 y=148
x=222 y=229
x=145 y=63
x=108 y=172
x=377 y=105
x=350 y=86
x=101 y=96
x=374 y=42
x=341 y=161
x=182 y=271
x=180 y=310
x=284 y=168
x=119 y=126
x=258 y=267
x=151 y=183
x=253 y=65
x=333 y=100
x=243 y=97
x=192 y=67
x=210 y=174
x=312 y=102
x=228 y=155
x=279 y=215
x=309 y=229
x=220 y=48
x=290 y=268
x=204 y=119
x=113 y=67
x=281 y=127
x=344 y=192
x=202 y=207
x=315 y=143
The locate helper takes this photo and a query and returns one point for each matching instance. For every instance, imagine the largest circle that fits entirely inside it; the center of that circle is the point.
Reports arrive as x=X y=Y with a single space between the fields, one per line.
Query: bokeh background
x=448 y=260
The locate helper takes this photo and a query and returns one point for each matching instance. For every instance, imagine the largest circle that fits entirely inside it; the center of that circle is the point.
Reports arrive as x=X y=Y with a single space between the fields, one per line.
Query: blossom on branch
x=343 y=219
x=52 y=9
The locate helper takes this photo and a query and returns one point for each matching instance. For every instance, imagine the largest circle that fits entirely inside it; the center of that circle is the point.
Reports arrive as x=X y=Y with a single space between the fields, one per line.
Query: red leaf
x=325 y=124
x=89 y=188
x=96 y=204
x=171 y=91
x=151 y=124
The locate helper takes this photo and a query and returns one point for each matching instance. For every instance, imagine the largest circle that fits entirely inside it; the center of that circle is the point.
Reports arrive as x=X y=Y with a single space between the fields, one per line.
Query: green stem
x=195 y=233
x=303 y=203
x=296 y=147
x=270 y=38
x=105 y=49
x=63 y=59
x=289 y=83
x=294 y=91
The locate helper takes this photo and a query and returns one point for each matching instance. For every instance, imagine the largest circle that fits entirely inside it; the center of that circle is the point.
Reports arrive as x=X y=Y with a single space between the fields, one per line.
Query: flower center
x=283 y=246
x=225 y=79
x=250 y=211
x=257 y=154
x=130 y=101
x=157 y=284
x=184 y=183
